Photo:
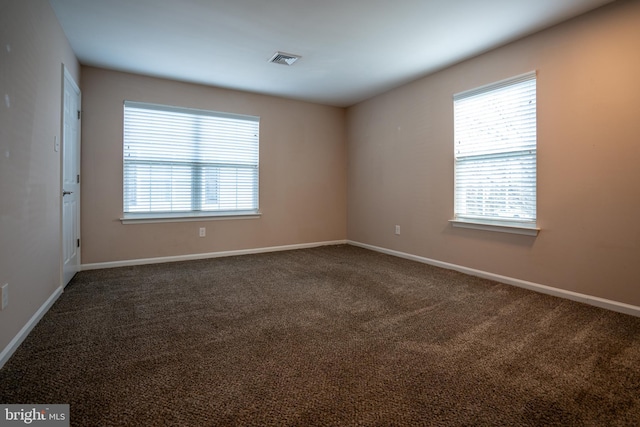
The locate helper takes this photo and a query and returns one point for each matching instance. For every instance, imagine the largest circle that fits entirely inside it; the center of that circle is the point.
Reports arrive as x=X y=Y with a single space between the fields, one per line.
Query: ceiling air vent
x=284 y=58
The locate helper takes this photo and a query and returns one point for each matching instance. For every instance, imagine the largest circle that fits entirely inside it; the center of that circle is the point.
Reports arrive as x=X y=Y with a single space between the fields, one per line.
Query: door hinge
x=78 y=114
x=77 y=179
x=78 y=243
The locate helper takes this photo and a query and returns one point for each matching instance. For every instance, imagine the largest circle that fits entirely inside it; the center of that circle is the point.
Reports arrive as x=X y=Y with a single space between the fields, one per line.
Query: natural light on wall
x=495 y=156
x=182 y=162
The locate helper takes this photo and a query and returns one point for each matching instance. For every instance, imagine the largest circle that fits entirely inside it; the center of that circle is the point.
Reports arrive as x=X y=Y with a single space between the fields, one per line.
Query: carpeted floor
x=335 y=335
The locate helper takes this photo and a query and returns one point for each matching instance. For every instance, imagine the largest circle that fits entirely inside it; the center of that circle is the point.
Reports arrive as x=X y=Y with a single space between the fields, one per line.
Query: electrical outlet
x=5 y=296
x=397 y=229
x=203 y=232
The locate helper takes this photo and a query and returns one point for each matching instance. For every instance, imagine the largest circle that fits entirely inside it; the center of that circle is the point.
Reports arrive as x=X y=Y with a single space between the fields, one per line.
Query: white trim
x=619 y=307
x=501 y=227
x=190 y=257
x=145 y=218
x=13 y=345
x=530 y=75
x=187 y=110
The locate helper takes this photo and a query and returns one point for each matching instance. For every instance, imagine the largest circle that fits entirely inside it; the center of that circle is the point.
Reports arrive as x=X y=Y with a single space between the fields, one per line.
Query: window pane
x=210 y=188
x=157 y=187
x=501 y=187
x=238 y=188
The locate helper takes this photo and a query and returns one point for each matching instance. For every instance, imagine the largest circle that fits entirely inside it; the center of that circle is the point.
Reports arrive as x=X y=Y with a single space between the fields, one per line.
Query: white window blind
x=190 y=162
x=495 y=152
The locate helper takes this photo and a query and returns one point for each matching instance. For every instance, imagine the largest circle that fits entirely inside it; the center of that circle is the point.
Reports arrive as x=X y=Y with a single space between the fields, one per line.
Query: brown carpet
x=334 y=335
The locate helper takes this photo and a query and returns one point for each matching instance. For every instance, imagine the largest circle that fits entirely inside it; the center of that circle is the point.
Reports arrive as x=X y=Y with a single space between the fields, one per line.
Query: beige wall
x=32 y=51
x=400 y=161
x=302 y=172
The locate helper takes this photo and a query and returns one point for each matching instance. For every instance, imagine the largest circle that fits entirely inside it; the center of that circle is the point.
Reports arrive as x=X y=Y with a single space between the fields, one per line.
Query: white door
x=70 y=179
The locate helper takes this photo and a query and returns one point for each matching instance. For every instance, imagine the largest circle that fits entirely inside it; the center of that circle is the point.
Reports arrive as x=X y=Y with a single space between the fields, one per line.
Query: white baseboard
x=574 y=296
x=159 y=260
x=26 y=329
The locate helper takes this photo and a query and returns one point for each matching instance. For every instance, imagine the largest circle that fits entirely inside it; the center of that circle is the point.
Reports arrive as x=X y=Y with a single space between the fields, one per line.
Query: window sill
x=186 y=217
x=498 y=226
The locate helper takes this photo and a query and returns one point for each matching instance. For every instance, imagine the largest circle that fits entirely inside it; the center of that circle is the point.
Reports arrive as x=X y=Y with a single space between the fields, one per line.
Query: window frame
x=495 y=223
x=196 y=167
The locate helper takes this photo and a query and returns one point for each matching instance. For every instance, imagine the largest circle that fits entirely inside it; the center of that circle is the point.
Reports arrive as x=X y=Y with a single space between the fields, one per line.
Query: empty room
x=298 y=213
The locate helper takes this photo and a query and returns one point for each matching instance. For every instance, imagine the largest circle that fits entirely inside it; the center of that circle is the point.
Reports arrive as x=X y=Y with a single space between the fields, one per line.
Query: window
x=182 y=162
x=495 y=156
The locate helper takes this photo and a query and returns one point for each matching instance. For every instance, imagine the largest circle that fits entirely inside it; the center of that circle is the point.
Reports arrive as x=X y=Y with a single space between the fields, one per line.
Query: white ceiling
x=351 y=49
